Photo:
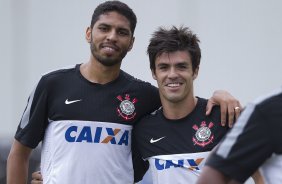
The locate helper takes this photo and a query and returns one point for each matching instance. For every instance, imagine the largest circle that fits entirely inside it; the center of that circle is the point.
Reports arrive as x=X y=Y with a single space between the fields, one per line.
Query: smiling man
x=177 y=138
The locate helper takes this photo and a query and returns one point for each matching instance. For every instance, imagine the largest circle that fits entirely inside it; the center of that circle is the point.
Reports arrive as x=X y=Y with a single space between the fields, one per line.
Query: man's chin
x=109 y=63
x=173 y=98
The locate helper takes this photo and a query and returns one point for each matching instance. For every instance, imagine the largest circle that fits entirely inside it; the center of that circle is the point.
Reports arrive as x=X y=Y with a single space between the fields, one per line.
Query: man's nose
x=172 y=73
x=112 y=35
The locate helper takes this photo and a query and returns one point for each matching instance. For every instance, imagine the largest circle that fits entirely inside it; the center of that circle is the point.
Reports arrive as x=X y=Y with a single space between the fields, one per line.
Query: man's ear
x=195 y=74
x=153 y=74
x=88 y=34
x=131 y=44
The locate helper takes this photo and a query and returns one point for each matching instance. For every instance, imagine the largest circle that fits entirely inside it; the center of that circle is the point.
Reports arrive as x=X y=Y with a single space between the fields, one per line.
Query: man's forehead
x=113 y=18
x=174 y=57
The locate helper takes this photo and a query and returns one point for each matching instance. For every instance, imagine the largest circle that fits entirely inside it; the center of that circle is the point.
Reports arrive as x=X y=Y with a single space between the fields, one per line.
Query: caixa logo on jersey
x=126 y=108
x=97 y=135
x=192 y=164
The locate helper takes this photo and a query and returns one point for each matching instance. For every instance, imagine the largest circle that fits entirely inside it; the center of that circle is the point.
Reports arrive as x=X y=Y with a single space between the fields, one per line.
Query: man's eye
x=162 y=67
x=103 y=29
x=182 y=66
x=123 y=33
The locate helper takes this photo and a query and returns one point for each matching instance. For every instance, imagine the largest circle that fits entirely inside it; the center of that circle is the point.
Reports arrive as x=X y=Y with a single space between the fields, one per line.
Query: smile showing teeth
x=108 y=49
x=173 y=84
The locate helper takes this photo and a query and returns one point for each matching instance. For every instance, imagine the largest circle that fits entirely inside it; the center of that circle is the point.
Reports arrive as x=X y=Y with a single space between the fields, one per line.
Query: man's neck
x=95 y=72
x=179 y=110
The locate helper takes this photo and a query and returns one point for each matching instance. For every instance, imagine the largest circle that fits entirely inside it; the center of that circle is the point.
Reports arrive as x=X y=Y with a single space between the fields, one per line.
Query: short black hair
x=171 y=40
x=118 y=7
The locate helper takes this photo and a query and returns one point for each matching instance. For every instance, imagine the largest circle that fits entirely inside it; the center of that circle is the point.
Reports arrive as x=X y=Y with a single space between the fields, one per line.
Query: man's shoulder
x=135 y=81
x=151 y=118
x=60 y=71
x=270 y=103
x=202 y=105
x=58 y=76
x=54 y=76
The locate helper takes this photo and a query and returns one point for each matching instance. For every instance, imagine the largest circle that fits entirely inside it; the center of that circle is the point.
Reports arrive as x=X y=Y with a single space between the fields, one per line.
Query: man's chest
x=96 y=105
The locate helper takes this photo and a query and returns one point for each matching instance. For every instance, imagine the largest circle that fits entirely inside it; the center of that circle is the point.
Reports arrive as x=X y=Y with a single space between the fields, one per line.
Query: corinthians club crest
x=126 y=107
x=203 y=135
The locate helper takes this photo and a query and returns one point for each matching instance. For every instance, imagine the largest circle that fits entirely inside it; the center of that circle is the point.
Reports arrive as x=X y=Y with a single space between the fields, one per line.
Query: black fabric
x=179 y=134
x=96 y=102
x=256 y=137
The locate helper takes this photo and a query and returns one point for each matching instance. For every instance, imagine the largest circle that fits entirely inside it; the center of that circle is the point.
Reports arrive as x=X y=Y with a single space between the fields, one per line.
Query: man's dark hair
x=172 y=40
x=117 y=6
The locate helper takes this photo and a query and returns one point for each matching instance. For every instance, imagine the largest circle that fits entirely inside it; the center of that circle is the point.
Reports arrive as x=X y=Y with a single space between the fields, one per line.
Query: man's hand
x=37 y=178
x=228 y=106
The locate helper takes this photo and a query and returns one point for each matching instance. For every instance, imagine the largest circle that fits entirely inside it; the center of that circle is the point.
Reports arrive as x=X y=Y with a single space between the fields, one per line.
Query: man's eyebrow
x=123 y=28
x=183 y=63
x=104 y=24
x=162 y=64
x=118 y=27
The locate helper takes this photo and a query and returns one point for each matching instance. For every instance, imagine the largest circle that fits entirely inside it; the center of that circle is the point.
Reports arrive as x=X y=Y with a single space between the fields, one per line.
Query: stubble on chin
x=104 y=60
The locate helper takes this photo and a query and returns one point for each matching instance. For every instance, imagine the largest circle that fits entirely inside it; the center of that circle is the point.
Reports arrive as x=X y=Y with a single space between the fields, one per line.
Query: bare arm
x=213 y=176
x=258 y=179
x=17 y=163
x=227 y=105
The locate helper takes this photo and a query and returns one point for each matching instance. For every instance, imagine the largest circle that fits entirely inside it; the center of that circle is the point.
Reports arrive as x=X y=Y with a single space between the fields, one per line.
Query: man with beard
x=84 y=115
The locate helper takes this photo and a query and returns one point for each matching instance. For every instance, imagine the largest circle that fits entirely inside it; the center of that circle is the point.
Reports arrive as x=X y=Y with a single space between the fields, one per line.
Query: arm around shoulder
x=17 y=163
x=229 y=106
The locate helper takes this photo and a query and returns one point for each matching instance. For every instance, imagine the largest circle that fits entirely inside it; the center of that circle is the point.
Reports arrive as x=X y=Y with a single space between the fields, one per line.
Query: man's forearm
x=17 y=170
x=17 y=164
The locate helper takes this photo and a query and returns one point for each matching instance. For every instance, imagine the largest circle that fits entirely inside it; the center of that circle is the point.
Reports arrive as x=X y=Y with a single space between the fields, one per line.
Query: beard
x=106 y=61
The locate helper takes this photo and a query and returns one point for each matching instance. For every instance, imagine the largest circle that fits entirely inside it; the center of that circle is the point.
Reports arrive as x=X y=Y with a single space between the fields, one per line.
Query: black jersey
x=177 y=149
x=255 y=140
x=86 y=128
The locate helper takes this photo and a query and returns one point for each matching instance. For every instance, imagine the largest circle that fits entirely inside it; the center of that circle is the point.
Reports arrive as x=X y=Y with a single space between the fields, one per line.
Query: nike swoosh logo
x=72 y=101
x=156 y=140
